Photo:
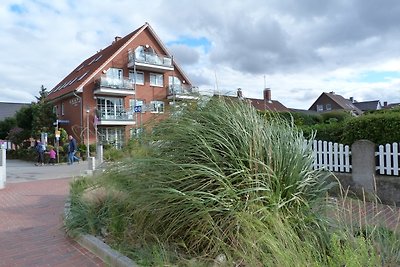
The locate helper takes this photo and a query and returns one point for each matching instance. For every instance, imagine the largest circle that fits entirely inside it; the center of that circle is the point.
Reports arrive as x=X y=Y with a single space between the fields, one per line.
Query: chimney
x=116 y=38
x=239 y=93
x=385 y=103
x=351 y=99
x=267 y=95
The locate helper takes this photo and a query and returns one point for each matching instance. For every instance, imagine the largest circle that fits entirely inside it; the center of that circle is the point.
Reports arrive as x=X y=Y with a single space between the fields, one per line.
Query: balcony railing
x=149 y=60
x=120 y=117
x=182 y=91
x=114 y=86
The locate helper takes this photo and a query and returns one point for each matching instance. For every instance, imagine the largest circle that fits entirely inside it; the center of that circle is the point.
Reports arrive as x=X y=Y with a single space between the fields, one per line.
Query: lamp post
x=87 y=130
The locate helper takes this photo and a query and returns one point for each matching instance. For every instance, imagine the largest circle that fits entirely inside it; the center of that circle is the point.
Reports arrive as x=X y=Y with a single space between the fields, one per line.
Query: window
x=115 y=73
x=157 y=107
x=328 y=107
x=55 y=110
x=112 y=136
x=156 y=79
x=83 y=75
x=320 y=107
x=139 y=77
x=62 y=109
x=110 y=108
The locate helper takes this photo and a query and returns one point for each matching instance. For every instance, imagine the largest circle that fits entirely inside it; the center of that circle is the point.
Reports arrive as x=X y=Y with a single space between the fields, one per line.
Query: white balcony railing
x=115 y=83
x=148 y=58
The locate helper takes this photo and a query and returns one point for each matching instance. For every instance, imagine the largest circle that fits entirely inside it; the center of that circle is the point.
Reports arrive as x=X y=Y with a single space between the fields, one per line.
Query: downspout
x=80 y=100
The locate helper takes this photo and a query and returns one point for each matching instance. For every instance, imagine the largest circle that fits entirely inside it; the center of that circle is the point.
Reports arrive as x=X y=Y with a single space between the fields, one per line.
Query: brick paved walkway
x=31 y=231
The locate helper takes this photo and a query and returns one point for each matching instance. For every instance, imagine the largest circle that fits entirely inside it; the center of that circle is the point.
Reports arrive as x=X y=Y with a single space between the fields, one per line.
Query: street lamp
x=87 y=131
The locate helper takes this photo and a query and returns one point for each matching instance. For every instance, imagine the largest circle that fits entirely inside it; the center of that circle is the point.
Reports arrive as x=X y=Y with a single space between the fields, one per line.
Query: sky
x=298 y=49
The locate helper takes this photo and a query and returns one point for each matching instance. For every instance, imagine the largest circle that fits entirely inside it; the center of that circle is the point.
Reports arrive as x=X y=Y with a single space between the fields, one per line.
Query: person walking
x=40 y=148
x=72 y=147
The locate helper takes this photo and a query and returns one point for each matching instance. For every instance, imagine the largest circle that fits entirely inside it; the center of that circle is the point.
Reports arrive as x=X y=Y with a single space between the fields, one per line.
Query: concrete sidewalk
x=31 y=226
x=22 y=171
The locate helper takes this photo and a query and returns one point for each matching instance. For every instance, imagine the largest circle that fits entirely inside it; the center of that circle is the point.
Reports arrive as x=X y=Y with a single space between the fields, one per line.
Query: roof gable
x=368 y=105
x=339 y=100
x=88 y=68
x=93 y=65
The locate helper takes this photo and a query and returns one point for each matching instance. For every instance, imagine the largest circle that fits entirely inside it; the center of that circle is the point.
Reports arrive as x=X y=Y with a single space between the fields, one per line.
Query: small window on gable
x=328 y=107
x=80 y=67
x=320 y=107
x=80 y=78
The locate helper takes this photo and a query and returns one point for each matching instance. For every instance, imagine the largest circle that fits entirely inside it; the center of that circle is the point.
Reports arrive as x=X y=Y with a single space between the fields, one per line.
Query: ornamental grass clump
x=220 y=175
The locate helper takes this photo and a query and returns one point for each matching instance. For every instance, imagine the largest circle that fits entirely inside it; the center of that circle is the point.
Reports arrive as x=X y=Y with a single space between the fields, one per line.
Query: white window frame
x=320 y=108
x=157 y=106
x=328 y=107
x=138 y=74
x=159 y=79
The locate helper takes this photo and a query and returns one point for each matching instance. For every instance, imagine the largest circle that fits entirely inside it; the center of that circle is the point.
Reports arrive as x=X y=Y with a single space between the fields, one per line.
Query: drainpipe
x=80 y=100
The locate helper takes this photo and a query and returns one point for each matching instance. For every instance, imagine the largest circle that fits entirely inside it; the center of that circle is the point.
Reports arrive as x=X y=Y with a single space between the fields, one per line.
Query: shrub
x=380 y=128
x=208 y=168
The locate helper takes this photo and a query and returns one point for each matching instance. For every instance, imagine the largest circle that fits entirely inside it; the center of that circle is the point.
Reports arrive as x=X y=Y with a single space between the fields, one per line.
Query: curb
x=99 y=248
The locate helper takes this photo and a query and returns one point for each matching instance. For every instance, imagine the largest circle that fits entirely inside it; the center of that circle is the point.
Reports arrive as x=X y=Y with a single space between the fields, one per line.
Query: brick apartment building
x=116 y=91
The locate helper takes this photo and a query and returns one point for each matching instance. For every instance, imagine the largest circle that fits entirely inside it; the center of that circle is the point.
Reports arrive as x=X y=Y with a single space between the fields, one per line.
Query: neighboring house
x=368 y=105
x=392 y=105
x=331 y=101
x=8 y=110
x=265 y=104
x=117 y=90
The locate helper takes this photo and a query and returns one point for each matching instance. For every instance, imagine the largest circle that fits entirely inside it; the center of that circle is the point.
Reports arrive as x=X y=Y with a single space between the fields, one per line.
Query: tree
x=6 y=125
x=24 y=119
x=43 y=115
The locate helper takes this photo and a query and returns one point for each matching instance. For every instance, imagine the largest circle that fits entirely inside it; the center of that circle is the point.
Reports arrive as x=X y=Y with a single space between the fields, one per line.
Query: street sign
x=63 y=121
x=137 y=109
x=57 y=134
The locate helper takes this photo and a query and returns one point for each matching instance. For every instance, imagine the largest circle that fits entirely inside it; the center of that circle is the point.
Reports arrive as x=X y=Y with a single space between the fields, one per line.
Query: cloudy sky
x=299 y=49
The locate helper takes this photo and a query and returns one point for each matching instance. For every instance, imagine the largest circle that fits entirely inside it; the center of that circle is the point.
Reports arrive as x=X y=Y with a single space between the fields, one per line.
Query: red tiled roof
x=79 y=76
x=343 y=102
x=273 y=105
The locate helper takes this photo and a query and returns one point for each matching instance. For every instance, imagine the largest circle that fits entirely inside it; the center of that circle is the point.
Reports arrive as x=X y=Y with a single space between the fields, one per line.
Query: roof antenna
x=265 y=83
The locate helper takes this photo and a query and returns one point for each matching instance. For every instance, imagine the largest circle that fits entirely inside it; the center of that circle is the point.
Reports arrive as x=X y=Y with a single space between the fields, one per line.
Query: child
x=52 y=155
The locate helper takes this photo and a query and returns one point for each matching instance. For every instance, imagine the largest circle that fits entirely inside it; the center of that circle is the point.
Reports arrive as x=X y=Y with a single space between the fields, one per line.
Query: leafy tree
x=43 y=115
x=24 y=119
x=16 y=135
x=6 y=125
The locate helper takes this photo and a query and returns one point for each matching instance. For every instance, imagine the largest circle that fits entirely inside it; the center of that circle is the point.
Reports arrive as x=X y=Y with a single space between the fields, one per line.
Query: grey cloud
x=200 y=79
x=185 y=55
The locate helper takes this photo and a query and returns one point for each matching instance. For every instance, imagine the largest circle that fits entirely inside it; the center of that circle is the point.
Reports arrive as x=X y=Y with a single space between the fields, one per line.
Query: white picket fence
x=331 y=156
x=337 y=157
x=388 y=159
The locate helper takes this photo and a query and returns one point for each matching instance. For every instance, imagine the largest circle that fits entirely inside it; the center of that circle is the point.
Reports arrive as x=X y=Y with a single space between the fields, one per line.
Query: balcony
x=114 y=86
x=182 y=92
x=150 y=62
x=120 y=117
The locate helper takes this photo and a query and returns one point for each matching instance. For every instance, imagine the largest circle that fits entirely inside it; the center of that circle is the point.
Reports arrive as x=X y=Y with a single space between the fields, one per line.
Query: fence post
x=3 y=172
x=363 y=164
x=99 y=154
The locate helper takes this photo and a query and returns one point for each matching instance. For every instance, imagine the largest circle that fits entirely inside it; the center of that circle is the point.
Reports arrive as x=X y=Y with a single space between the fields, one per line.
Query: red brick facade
x=103 y=87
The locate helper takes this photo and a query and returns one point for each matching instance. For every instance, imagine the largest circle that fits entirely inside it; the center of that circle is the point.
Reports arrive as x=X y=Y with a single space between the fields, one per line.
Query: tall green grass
x=213 y=165
x=221 y=182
